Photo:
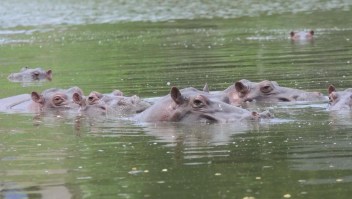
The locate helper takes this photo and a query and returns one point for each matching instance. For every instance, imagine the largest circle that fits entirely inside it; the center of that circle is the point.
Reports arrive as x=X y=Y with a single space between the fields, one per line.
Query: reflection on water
x=303 y=152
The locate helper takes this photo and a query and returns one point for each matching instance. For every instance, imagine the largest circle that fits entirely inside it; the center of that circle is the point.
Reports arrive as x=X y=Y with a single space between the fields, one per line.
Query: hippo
x=302 y=36
x=339 y=100
x=35 y=102
x=29 y=75
x=54 y=98
x=267 y=91
x=16 y=104
x=114 y=103
x=192 y=105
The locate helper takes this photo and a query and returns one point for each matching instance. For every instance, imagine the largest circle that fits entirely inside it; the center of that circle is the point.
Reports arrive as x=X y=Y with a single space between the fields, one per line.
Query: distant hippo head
x=298 y=36
x=55 y=98
x=267 y=91
x=27 y=75
x=192 y=105
x=339 y=100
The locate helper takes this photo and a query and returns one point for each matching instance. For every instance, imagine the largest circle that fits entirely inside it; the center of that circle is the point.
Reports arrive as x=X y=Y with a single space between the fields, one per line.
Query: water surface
x=146 y=47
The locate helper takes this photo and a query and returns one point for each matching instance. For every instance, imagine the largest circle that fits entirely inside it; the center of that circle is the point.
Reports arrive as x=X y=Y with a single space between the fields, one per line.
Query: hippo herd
x=180 y=105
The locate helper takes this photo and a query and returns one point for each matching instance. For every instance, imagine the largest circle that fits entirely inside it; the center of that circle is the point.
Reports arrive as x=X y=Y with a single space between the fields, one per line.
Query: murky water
x=146 y=47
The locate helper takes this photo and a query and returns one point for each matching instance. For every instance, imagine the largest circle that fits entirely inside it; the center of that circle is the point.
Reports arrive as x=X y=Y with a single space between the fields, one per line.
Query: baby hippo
x=302 y=36
x=110 y=104
x=267 y=91
x=339 y=100
x=191 y=105
x=28 y=75
x=54 y=98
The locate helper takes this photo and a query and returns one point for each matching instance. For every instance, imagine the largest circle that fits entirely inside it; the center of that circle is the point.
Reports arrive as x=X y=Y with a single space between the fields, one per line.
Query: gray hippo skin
x=54 y=98
x=192 y=105
x=339 y=100
x=302 y=36
x=28 y=75
x=35 y=102
x=114 y=104
x=267 y=91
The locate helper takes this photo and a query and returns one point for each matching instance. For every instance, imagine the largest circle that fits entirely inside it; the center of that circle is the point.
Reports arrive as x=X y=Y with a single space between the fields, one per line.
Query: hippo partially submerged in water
x=28 y=75
x=267 y=91
x=302 y=36
x=115 y=103
x=50 y=99
x=55 y=98
x=339 y=100
x=191 y=105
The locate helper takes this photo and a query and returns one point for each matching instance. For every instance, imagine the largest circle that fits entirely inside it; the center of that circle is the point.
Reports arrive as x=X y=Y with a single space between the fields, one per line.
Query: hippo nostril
x=282 y=99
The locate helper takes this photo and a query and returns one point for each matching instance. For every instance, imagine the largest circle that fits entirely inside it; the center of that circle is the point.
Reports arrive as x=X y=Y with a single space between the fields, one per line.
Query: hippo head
x=112 y=104
x=52 y=100
x=190 y=105
x=27 y=75
x=90 y=105
x=40 y=74
x=267 y=91
x=339 y=100
x=55 y=98
x=295 y=36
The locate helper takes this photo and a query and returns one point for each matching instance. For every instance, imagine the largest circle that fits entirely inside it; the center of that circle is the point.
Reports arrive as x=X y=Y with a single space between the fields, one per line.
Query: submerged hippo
x=339 y=100
x=112 y=104
x=54 y=98
x=28 y=75
x=191 y=105
x=35 y=102
x=267 y=91
x=301 y=36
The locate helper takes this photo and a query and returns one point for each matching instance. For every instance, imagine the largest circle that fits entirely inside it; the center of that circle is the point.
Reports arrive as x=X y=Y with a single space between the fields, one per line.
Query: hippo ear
x=331 y=89
x=240 y=87
x=206 y=88
x=77 y=98
x=49 y=74
x=37 y=98
x=176 y=95
x=311 y=32
x=292 y=34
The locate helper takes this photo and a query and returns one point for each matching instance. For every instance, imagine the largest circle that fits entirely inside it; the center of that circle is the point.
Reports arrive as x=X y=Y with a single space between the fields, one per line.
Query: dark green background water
x=144 y=48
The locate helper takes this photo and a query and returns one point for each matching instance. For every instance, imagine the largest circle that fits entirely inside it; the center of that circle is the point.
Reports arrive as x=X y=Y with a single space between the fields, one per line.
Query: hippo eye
x=90 y=98
x=57 y=100
x=266 y=89
x=198 y=103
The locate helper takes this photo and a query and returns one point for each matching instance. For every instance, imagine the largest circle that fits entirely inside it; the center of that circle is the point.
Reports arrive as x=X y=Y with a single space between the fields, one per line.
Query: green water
x=305 y=152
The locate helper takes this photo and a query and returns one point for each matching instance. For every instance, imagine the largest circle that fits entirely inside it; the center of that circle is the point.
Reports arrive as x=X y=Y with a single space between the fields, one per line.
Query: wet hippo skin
x=192 y=105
